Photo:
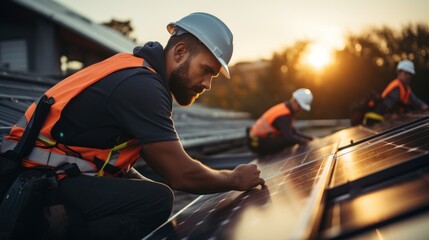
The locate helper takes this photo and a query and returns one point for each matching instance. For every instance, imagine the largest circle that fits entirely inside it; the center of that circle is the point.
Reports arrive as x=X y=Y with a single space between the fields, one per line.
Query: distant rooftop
x=67 y=18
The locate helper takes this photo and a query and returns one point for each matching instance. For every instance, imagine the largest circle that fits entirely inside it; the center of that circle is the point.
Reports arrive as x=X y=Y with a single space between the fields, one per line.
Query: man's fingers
x=261 y=182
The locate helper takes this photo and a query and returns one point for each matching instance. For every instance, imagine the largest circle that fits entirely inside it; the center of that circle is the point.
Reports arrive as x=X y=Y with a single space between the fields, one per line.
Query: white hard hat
x=304 y=97
x=211 y=31
x=406 y=65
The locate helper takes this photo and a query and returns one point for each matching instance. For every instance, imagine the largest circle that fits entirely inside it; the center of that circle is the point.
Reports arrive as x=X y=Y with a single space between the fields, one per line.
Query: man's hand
x=246 y=177
x=169 y=160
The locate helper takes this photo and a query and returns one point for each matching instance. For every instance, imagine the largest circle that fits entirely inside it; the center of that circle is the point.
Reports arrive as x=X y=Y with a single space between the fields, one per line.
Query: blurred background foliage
x=367 y=62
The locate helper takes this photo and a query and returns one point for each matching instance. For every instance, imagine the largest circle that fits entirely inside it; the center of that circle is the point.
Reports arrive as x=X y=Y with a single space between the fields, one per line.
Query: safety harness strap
x=373 y=116
x=10 y=161
x=104 y=166
x=32 y=131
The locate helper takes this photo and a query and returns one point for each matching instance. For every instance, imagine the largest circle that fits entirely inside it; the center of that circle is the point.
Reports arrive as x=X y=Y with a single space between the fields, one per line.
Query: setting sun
x=317 y=57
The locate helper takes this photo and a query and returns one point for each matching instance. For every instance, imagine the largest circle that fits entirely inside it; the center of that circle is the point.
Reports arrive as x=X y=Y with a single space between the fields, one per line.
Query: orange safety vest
x=49 y=153
x=264 y=125
x=404 y=92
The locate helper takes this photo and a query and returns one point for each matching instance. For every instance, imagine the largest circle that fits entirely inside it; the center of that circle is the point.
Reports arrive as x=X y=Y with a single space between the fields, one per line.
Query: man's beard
x=179 y=79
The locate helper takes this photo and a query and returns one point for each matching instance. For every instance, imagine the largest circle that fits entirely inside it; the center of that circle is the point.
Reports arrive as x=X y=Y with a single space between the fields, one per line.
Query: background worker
x=397 y=98
x=274 y=130
x=108 y=115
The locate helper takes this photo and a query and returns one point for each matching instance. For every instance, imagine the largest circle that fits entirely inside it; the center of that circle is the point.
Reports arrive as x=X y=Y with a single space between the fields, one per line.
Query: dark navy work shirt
x=131 y=103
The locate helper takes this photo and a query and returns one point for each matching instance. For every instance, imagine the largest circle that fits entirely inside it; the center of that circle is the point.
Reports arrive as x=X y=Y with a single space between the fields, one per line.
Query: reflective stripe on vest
x=48 y=152
x=404 y=92
x=46 y=158
x=263 y=125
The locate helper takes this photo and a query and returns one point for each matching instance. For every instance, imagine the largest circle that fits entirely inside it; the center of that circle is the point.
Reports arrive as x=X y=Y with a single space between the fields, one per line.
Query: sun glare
x=318 y=57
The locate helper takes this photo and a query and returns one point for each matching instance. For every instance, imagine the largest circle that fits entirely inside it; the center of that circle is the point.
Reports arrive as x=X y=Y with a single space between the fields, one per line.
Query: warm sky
x=260 y=27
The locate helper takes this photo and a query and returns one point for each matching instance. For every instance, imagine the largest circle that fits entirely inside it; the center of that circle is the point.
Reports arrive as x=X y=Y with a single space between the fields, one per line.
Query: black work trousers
x=118 y=208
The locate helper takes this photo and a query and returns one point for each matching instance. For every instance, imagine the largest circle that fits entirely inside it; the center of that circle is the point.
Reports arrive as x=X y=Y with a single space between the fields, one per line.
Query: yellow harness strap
x=51 y=143
x=115 y=148
x=372 y=115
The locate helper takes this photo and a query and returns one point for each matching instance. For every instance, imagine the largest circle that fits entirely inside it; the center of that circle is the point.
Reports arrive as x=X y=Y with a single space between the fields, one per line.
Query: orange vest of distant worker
x=49 y=153
x=404 y=92
x=264 y=125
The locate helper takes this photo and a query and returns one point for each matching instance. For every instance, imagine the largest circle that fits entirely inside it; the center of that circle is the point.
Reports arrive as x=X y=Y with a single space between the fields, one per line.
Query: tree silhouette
x=123 y=27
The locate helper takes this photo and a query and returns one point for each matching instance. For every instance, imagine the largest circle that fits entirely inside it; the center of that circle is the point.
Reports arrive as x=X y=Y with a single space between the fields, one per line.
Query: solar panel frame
x=386 y=128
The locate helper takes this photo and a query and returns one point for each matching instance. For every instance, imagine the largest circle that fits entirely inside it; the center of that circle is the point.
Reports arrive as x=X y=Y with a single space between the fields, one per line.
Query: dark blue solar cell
x=236 y=215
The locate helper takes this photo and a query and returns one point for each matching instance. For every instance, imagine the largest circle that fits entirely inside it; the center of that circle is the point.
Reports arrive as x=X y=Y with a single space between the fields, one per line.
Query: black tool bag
x=9 y=171
x=19 y=189
x=21 y=210
x=31 y=208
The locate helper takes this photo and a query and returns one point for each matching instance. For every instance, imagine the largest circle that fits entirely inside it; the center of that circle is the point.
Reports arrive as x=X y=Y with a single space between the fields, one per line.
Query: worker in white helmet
x=108 y=115
x=397 y=98
x=274 y=130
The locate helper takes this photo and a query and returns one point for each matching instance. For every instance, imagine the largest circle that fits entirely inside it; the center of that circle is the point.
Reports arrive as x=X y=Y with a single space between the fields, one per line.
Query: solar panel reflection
x=352 y=135
x=236 y=215
x=403 y=196
x=281 y=164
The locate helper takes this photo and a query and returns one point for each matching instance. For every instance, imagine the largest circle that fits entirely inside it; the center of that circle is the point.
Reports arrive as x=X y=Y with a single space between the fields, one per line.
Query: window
x=13 y=54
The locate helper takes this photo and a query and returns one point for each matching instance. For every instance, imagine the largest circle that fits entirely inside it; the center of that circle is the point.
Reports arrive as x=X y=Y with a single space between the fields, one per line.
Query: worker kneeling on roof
x=397 y=98
x=108 y=115
x=274 y=130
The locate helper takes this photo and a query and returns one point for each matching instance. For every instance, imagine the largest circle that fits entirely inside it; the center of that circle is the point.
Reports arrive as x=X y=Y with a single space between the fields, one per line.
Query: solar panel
x=359 y=134
x=317 y=148
x=414 y=227
x=352 y=136
x=290 y=186
x=270 y=168
x=380 y=181
x=329 y=177
x=381 y=153
x=400 y=121
x=290 y=178
x=401 y=197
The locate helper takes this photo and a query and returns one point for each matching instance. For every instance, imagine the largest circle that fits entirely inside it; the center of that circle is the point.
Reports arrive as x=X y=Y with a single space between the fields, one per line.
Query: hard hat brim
x=170 y=27
x=306 y=108
x=409 y=71
x=224 y=69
